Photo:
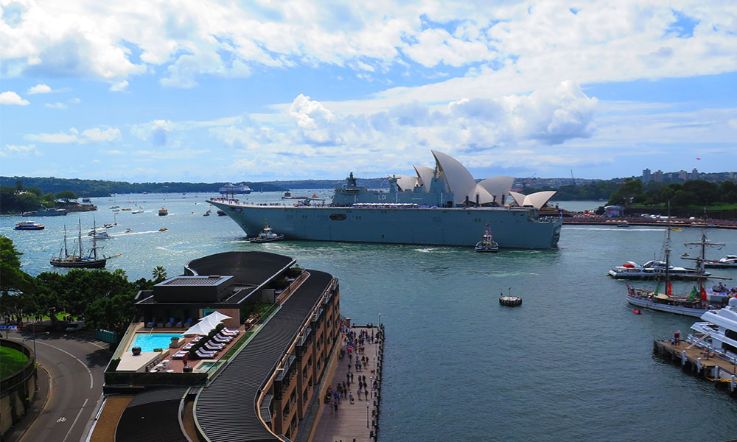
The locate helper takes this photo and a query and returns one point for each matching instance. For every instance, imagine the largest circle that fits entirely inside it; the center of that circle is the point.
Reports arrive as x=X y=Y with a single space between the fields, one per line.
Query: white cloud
x=10 y=98
x=119 y=86
x=18 y=150
x=524 y=43
x=40 y=88
x=93 y=135
x=56 y=105
x=156 y=131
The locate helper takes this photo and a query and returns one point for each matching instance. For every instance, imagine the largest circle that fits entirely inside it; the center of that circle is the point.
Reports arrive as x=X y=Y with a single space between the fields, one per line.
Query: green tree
x=15 y=284
x=112 y=311
x=629 y=192
x=158 y=274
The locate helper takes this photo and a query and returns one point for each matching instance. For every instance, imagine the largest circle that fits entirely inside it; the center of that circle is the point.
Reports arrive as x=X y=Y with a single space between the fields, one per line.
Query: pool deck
x=357 y=421
x=128 y=362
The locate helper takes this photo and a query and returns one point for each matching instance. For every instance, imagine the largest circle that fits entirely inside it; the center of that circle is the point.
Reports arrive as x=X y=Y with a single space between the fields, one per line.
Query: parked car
x=75 y=326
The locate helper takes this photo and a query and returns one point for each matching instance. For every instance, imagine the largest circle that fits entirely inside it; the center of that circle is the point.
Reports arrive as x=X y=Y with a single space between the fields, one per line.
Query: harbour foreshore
x=352 y=414
x=648 y=222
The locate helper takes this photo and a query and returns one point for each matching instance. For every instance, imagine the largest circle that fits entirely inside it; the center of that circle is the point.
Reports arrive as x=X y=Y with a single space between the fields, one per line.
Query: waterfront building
x=261 y=381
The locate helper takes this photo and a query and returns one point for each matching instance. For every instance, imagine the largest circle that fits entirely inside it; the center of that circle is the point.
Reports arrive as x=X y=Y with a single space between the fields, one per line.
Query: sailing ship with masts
x=696 y=303
x=78 y=260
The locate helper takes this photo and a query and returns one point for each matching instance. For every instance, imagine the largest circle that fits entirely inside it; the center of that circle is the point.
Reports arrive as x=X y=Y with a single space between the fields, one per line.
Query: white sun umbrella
x=215 y=316
x=201 y=328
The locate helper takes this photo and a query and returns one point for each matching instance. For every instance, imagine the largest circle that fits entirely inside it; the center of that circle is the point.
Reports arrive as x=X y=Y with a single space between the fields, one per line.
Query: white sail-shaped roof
x=457 y=179
x=536 y=200
x=424 y=176
x=518 y=198
x=406 y=182
x=498 y=186
x=484 y=196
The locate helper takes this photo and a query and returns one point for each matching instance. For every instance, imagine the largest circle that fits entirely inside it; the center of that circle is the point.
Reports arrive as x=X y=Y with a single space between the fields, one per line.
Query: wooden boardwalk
x=357 y=421
x=708 y=366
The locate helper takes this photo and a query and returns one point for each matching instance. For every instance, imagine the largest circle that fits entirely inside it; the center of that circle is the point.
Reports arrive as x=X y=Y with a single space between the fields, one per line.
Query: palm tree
x=158 y=274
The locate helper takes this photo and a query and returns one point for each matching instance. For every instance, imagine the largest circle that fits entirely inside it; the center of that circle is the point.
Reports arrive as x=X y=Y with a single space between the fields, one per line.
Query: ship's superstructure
x=440 y=206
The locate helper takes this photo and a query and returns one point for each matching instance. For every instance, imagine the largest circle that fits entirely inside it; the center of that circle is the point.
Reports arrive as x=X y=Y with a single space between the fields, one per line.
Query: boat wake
x=145 y=232
x=617 y=229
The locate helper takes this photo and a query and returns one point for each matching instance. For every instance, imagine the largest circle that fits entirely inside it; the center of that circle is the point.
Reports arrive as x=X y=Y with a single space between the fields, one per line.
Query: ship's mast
x=94 y=238
x=667 y=253
x=79 y=240
x=66 y=254
x=700 y=266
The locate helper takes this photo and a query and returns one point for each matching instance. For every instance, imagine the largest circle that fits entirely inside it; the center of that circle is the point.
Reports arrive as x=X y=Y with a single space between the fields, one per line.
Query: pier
x=699 y=362
x=358 y=419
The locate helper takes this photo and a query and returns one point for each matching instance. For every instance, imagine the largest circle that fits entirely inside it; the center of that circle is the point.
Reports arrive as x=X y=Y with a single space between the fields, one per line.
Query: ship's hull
x=84 y=264
x=513 y=228
x=668 y=308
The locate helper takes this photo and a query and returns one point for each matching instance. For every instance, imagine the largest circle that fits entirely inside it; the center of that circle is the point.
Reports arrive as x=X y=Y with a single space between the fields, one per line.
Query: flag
x=657 y=288
x=703 y=294
x=669 y=289
x=693 y=295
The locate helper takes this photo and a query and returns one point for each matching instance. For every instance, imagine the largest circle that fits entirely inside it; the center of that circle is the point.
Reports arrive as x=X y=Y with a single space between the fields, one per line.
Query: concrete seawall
x=18 y=390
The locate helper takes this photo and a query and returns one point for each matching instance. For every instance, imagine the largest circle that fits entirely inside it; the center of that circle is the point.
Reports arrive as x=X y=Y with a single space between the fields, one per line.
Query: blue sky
x=230 y=91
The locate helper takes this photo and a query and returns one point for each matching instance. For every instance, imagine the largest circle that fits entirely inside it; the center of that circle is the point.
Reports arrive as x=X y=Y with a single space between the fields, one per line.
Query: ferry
x=29 y=225
x=442 y=206
x=234 y=188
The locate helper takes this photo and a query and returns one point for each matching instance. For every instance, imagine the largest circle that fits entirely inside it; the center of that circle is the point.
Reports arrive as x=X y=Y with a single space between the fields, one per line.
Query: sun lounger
x=221 y=339
x=229 y=332
x=205 y=354
x=179 y=354
x=213 y=346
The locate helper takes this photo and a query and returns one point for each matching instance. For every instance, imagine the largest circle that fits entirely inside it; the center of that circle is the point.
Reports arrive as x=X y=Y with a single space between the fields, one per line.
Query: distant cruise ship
x=437 y=206
x=234 y=188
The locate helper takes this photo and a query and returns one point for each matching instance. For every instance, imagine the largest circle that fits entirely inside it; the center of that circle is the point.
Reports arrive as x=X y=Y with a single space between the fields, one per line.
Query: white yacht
x=653 y=270
x=718 y=332
x=728 y=262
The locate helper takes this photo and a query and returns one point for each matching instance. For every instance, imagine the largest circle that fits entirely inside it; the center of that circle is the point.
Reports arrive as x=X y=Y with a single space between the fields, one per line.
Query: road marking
x=92 y=381
x=61 y=419
x=75 y=420
x=98 y=345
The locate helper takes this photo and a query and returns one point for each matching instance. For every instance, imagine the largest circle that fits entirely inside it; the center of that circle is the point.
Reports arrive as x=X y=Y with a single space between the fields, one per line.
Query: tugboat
x=91 y=261
x=163 y=211
x=509 y=300
x=266 y=235
x=487 y=243
x=29 y=225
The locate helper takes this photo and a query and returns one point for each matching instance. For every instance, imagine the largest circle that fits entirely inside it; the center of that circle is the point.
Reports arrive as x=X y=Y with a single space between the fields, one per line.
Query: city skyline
x=218 y=92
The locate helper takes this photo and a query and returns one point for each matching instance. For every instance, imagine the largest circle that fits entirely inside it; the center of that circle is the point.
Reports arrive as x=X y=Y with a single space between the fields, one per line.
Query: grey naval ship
x=440 y=206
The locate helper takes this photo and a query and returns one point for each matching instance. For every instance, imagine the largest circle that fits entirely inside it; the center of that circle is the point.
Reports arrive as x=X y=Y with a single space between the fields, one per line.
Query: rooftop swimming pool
x=150 y=341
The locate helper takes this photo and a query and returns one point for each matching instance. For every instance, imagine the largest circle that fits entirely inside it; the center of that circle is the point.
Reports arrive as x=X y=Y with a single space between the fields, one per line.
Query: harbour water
x=573 y=363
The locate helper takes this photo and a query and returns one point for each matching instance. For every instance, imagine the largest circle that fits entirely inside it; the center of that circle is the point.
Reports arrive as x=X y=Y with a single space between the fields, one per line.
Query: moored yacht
x=728 y=262
x=717 y=332
x=654 y=270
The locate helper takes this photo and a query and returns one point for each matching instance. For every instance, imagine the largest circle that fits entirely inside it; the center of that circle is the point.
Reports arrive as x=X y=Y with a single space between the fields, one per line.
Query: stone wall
x=17 y=391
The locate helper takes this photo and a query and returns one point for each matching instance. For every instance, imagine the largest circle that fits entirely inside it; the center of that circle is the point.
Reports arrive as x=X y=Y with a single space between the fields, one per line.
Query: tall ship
x=232 y=189
x=442 y=206
x=78 y=260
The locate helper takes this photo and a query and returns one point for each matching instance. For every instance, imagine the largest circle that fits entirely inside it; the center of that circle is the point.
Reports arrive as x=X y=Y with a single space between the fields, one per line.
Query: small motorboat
x=636 y=311
x=266 y=235
x=487 y=243
x=207 y=213
x=163 y=211
x=508 y=300
x=221 y=213
x=136 y=211
x=29 y=225
x=163 y=229
x=623 y=224
x=128 y=230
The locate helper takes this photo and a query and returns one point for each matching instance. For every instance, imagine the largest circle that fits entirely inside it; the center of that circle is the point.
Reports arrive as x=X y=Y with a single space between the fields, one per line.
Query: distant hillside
x=371 y=183
x=97 y=188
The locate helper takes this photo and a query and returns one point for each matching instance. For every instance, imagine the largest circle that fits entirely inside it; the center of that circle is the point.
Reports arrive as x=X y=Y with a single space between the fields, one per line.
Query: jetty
x=357 y=419
x=698 y=361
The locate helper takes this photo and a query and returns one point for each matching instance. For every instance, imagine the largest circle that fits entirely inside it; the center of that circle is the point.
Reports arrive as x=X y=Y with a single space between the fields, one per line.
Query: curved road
x=75 y=366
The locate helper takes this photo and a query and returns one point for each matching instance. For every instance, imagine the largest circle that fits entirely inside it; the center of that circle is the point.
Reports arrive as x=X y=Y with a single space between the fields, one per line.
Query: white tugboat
x=266 y=235
x=487 y=243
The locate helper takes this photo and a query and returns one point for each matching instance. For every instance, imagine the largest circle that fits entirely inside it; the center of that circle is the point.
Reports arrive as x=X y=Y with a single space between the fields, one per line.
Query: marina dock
x=357 y=421
x=699 y=362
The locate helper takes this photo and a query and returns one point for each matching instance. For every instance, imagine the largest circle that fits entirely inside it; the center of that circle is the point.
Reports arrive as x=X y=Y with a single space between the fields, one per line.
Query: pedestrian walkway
x=355 y=420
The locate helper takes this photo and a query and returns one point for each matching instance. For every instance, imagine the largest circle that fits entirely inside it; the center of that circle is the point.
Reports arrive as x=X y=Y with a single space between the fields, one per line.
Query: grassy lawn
x=11 y=361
